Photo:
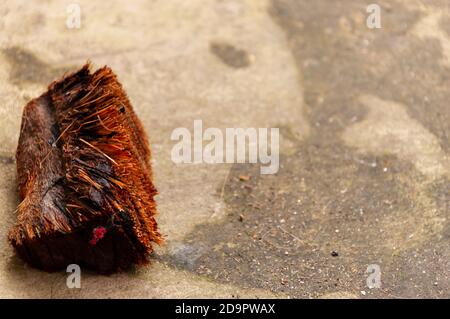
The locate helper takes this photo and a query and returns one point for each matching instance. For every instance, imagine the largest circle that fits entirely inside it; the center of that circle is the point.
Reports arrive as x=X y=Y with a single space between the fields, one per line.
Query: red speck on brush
x=97 y=234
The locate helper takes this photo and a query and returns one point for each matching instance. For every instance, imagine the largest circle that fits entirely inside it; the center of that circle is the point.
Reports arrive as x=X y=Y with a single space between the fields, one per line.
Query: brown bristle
x=84 y=177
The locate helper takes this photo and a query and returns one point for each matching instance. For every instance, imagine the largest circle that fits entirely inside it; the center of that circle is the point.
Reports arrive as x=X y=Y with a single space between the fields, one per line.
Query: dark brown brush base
x=84 y=178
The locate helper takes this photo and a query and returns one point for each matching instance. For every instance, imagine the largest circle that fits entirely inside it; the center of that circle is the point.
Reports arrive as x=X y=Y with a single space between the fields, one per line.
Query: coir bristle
x=85 y=182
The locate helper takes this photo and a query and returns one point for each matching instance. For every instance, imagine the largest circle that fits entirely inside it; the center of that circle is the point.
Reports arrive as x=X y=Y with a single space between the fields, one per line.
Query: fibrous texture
x=84 y=177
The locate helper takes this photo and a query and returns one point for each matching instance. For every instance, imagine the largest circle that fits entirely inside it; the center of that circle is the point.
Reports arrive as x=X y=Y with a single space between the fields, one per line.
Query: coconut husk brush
x=85 y=181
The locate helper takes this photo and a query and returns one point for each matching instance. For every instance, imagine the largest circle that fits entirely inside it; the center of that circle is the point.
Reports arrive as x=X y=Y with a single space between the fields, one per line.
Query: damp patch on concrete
x=230 y=55
x=27 y=68
x=358 y=190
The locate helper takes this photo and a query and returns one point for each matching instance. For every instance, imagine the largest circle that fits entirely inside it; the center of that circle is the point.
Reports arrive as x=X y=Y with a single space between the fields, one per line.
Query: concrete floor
x=364 y=122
